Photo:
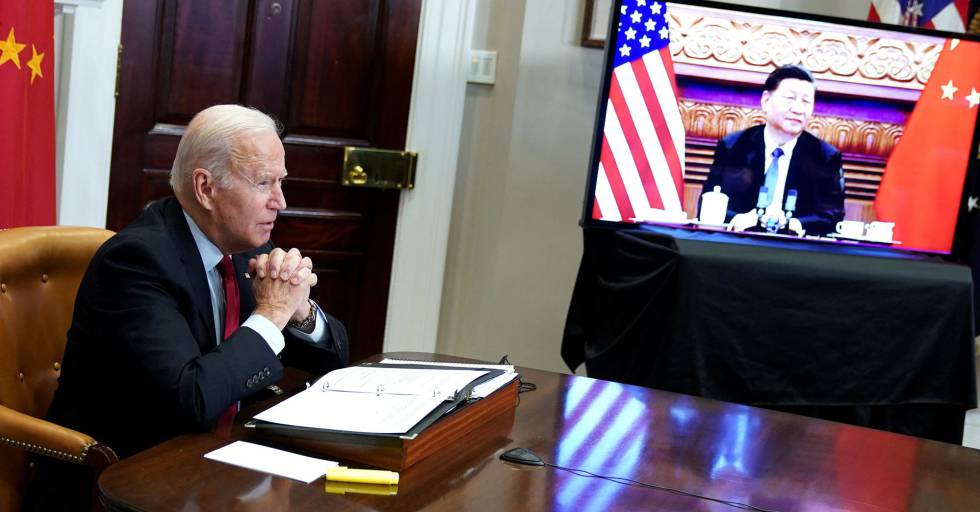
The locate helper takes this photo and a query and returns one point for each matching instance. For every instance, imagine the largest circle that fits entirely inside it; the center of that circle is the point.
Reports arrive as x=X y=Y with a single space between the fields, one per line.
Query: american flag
x=949 y=15
x=641 y=163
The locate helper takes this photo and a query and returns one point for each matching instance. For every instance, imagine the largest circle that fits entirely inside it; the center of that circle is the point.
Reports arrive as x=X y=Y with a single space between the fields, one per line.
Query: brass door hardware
x=379 y=168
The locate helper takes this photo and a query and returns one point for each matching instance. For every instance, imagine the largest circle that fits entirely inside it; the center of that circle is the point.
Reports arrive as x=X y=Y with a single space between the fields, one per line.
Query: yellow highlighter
x=349 y=487
x=362 y=476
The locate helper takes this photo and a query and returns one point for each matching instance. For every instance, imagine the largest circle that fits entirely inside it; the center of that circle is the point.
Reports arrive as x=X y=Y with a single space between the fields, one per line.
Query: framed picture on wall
x=595 y=23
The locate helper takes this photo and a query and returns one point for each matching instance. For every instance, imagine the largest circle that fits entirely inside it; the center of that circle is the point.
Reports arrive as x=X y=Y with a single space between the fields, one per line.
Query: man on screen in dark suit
x=157 y=347
x=782 y=157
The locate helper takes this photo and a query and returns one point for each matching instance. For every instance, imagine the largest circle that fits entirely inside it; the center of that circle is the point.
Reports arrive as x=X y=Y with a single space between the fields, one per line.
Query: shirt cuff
x=318 y=330
x=268 y=330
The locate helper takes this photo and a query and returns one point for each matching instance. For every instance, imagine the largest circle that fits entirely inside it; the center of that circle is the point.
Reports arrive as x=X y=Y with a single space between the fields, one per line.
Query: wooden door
x=335 y=73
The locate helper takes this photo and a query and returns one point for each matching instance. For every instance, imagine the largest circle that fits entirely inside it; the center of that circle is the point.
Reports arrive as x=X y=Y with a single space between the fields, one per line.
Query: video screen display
x=722 y=117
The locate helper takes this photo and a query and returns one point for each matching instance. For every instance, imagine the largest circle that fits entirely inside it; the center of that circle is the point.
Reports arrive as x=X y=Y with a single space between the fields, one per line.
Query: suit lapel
x=194 y=269
x=795 y=172
x=757 y=158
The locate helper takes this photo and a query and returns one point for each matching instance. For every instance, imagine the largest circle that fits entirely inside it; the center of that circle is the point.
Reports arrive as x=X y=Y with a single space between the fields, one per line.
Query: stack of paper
x=391 y=397
x=481 y=390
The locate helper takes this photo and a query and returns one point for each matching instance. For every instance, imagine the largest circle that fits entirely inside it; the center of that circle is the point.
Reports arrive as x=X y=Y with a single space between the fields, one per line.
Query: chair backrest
x=40 y=270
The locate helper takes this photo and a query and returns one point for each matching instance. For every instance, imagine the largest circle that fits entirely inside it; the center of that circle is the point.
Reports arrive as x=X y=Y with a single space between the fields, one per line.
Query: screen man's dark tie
x=772 y=176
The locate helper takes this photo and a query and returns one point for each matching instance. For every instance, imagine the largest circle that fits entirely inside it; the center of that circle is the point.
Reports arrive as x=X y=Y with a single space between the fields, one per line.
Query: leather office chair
x=40 y=270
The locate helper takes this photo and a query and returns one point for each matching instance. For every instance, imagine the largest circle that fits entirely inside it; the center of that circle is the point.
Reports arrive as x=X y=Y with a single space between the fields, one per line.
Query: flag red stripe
x=625 y=117
x=659 y=122
x=616 y=181
x=963 y=6
x=668 y=66
x=596 y=211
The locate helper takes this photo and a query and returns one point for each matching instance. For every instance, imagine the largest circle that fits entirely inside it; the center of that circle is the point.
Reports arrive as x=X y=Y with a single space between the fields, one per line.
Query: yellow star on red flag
x=10 y=49
x=35 y=64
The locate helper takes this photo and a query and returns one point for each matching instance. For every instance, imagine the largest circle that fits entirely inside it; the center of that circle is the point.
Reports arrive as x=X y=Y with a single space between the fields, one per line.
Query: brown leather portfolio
x=395 y=452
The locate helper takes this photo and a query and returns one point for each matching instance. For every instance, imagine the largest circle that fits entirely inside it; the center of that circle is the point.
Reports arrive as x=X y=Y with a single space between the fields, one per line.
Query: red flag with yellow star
x=920 y=190
x=27 y=177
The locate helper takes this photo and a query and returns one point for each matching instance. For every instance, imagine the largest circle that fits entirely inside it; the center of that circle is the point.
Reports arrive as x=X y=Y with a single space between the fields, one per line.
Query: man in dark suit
x=782 y=157
x=168 y=334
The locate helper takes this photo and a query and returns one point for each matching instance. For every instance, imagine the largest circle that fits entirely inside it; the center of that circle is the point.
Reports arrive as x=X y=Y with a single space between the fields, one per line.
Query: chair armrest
x=43 y=437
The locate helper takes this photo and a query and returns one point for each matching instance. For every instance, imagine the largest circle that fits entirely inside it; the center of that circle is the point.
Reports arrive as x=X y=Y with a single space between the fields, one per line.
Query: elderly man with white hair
x=189 y=310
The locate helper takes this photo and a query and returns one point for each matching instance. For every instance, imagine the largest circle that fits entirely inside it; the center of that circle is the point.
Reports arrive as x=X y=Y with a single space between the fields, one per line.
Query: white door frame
x=434 y=123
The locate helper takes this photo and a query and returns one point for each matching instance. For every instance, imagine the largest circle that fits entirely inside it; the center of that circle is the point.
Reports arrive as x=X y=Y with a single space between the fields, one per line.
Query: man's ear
x=204 y=186
x=766 y=95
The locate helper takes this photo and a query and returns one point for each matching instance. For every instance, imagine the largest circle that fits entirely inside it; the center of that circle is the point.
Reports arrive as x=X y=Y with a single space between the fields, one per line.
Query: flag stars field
x=949 y=93
x=948 y=90
x=973 y=98
x=35 y=64
x=10 y=49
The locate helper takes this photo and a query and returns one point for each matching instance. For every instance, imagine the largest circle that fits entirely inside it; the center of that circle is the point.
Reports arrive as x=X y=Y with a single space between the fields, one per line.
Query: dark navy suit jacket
x=814 y=171
x=141 y=363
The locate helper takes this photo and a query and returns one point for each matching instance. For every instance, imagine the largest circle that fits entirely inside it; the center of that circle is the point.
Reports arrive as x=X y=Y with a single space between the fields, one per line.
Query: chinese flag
x=27 y=182
x=920 y=190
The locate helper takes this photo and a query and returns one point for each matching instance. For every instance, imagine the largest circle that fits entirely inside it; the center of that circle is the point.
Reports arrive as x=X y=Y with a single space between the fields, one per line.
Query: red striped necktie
x=227 y=271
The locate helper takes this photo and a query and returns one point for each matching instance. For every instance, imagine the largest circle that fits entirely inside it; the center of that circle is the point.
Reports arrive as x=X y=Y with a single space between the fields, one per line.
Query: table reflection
x=610 y=429
x=603 y=433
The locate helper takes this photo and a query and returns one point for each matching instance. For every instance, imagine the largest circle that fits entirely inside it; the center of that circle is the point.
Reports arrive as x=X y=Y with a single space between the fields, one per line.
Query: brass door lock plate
x=379 y=168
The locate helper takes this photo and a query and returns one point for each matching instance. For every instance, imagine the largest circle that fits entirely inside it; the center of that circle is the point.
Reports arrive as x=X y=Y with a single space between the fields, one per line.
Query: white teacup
x=880 y=231
x=714 y=207
x=851 y=228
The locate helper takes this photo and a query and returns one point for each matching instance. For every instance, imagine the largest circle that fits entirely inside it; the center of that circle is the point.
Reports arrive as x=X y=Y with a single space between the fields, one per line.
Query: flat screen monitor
x=783 y=125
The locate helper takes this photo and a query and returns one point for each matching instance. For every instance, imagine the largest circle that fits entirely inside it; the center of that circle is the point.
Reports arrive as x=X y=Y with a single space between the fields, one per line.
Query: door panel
x=202 y=64
x=334 y=73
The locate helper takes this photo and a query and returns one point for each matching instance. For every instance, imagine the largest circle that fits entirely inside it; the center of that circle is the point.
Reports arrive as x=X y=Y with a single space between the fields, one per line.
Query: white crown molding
x=69 y=6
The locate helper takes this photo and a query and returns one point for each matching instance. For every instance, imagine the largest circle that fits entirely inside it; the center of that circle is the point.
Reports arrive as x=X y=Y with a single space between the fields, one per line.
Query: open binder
x=357 y=397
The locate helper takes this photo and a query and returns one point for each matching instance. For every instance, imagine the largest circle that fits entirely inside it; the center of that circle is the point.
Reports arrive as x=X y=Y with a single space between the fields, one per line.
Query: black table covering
x=871 y=337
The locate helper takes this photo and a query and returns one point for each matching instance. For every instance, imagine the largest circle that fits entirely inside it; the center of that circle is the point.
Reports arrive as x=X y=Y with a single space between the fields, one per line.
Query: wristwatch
x=308 y=324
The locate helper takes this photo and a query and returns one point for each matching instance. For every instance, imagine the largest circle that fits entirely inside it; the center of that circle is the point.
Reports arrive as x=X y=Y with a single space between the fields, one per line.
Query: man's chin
x=794 y=128
x=258 y=240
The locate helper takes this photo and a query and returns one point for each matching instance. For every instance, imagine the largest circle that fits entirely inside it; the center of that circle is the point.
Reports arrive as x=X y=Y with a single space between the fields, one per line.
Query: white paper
x=487 y=388
x=353 y=412
x=270 y=460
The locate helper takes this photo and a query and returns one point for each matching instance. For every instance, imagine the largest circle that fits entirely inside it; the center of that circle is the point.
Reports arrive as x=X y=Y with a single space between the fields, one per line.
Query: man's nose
x=278 y=201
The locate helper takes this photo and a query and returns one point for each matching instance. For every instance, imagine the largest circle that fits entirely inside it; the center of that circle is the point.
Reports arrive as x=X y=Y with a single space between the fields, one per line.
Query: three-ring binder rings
x=381 y=413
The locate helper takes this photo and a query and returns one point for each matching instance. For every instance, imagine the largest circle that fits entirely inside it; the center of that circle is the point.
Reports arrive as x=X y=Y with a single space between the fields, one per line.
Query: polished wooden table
x=766 y=459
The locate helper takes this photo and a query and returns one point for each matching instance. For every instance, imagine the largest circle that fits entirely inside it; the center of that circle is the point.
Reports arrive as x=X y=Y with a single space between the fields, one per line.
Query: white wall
x=86 y=45
x=515 y=242
x=856 y=9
